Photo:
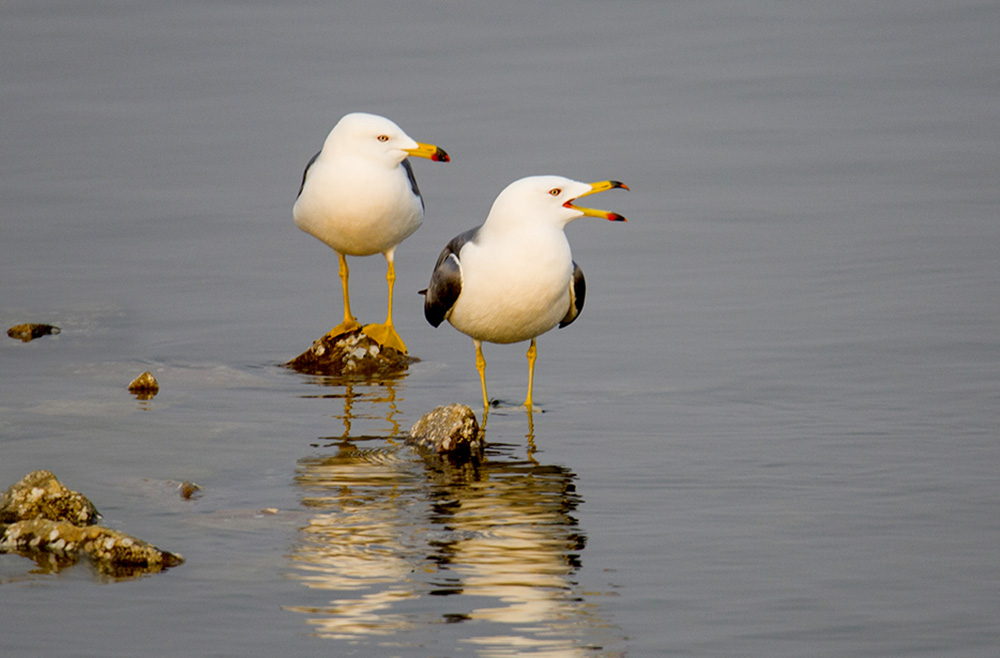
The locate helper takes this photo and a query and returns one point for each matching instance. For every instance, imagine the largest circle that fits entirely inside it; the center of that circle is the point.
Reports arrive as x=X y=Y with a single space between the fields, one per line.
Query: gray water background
x=772 y=432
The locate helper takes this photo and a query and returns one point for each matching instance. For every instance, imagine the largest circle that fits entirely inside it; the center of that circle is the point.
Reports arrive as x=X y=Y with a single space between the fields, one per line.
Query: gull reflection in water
x=419 y=554
x=372 y=404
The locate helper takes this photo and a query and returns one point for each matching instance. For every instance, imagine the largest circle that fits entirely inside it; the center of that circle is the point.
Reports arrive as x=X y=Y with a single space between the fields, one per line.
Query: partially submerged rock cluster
x=351 y=354
x=40 y=518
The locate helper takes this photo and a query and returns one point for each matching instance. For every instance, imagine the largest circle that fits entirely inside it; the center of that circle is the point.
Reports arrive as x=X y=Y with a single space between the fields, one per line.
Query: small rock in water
x=451 y=431
x=351 y=354
x=30 y=331
x=188 y=489
x=144 y=386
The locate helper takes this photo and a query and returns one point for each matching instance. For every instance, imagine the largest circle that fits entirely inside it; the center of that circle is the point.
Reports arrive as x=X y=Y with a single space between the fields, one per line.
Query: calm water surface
x=772 y=432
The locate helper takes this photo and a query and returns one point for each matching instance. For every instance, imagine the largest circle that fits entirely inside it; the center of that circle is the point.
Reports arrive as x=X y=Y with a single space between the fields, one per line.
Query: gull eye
x=555 y=191
x=383 y=138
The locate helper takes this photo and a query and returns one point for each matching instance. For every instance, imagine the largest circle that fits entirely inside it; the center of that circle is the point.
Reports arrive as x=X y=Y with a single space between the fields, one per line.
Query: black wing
x=413 y=181
x=306 y=173
x=577 y=293
x=446 y=280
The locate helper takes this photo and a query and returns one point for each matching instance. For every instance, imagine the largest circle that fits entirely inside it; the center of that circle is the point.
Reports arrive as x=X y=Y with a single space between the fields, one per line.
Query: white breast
x=330 y=208
x=514 y=287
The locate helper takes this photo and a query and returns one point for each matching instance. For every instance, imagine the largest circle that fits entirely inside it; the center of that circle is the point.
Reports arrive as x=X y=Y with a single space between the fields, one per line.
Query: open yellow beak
x=430 y=152
x=594 y=189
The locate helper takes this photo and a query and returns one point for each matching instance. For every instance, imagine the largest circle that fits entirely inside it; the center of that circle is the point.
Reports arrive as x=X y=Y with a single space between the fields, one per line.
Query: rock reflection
x=486 y=554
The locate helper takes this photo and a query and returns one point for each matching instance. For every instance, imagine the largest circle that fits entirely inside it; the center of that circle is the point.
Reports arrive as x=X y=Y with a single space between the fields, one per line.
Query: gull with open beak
x=513 y=278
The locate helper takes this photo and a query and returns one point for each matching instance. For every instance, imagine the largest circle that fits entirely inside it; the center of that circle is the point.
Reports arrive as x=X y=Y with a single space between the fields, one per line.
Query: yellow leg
x=390 y=280
x=532 y=352
x=481 y=367
x=350 y=323
x=385 y=334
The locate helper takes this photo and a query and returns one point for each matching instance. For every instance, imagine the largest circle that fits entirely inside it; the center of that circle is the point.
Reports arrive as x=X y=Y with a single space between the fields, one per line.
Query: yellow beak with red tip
x=595 y=188
x=430 y=152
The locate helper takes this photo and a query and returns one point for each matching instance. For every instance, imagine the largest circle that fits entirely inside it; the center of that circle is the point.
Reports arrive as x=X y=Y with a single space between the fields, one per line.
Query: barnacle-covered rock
x=30 y=331
x=113 y=552
x=449 y=431
x=350 y=354
x=42 y=519
x=40 y=495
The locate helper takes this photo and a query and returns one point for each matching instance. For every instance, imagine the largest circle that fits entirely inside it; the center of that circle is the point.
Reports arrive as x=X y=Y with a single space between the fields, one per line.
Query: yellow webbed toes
x=385 y=335
x=345 y=327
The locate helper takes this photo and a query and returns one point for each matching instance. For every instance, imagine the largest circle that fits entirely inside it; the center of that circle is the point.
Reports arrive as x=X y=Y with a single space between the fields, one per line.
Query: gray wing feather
x=577 y=293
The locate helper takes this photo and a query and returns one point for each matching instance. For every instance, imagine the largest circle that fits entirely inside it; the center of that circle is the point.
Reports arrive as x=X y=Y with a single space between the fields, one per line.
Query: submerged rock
x=30 y=331
x=42 y=519
x=449 y=431
x=351 y=354
x=144 y=386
